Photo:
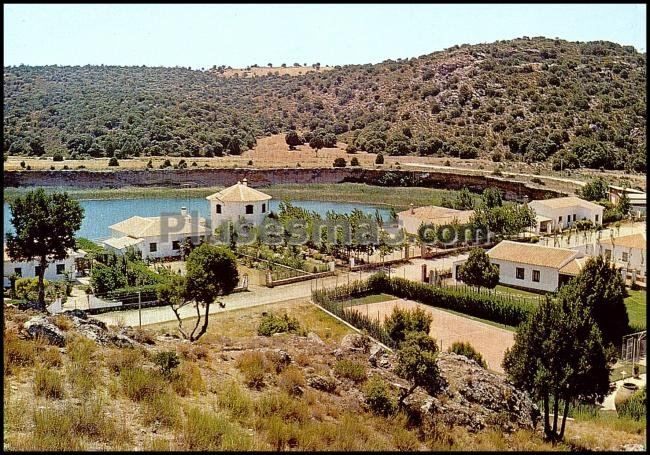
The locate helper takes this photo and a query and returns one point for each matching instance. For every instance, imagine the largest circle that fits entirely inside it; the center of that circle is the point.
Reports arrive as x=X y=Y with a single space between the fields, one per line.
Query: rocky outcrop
x=41 y=327
x=511 y=188
x=311 y=336
x=93 y=329
x=379 y=357
x=324 y=383
x=474 y=398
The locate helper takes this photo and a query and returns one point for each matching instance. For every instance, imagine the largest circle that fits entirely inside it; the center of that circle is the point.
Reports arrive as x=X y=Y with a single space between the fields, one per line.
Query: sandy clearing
x=448 y=328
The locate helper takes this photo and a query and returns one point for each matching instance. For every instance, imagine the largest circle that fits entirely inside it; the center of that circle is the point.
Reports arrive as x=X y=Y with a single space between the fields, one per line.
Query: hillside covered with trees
x=531 y=99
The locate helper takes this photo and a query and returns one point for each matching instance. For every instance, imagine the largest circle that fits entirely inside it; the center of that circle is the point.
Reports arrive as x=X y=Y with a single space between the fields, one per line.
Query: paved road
x=256 y=295
x=261 y=295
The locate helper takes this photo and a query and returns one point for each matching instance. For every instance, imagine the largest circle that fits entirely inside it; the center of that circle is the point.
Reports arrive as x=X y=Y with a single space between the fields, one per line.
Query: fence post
x=140 y=308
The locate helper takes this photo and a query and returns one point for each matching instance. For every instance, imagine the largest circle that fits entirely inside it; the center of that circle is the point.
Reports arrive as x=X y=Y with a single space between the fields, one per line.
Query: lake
x=99 y=214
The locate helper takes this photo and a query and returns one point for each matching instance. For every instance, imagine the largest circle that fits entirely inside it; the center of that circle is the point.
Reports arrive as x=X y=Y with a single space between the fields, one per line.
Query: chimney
x=245 y=182
x=183 y=211
x=412 y=208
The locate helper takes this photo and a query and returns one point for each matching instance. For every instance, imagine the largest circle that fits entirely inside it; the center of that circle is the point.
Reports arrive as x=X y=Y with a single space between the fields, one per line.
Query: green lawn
x=513 y=291
x=374 y=298
x=636 y=308
x=624 y=371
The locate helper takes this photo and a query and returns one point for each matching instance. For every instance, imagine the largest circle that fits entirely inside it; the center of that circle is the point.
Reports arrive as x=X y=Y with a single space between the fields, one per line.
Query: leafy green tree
x=376 y=394
x=401 y=321
x=339 y=162
x=316 y=142
x=105 y=279
x=416 y=362
x=379 y=159
x=113 y=162
x=558 y=356
x=354 y=161
x=467 y=350
x=44 y=229
x=492 y=198
x=211 y=272
x=478 y=270
x=600 y=288
x=293 y=139
x=462 y=201
x=506 y=220
x=624 y=206
x=595 y=190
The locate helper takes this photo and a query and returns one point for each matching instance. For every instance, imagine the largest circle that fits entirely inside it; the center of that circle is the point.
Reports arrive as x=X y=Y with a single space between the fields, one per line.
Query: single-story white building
x=560 y=213
x=637 y=198
x=411 y=220
x=56 y=270
x=238 y=202
x=532 y=266
x=627 y=252
x=157 y=237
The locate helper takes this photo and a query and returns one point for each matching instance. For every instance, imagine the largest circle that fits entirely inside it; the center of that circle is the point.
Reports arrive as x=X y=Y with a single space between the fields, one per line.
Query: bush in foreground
x=272 y=324
x=467 y=350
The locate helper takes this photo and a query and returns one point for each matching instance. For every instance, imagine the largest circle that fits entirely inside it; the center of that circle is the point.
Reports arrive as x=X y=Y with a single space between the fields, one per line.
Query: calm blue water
x=99 y=214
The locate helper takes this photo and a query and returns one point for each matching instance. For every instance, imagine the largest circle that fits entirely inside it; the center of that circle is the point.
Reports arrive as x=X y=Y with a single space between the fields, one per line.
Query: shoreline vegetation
x=400 y=198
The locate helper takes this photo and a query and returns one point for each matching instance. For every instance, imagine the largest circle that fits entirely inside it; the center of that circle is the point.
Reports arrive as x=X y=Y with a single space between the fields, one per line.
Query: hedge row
x=373 y=327
x=490 y=307
x=504 y=310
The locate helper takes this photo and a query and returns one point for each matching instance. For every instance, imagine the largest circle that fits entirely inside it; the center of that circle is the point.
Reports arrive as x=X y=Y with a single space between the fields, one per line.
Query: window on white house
x=536 y=276
x=624 y=257
x=574 y=217
x=559 y=220
x=249 y=209
x=596 y=218
x=218 y=208
x=176 y=245
x=60 y=269
x=520 y=273
x=263 y=208
x=18 y=271
x=153 y=247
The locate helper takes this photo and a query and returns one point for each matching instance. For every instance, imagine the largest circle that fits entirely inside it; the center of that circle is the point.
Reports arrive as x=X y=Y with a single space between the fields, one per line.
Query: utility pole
x=140 y=308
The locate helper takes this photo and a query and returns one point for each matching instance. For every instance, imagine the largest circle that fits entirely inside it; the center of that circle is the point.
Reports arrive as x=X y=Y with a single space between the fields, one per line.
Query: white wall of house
x=548 y=277
x=626 y=257
x=167 y=247
x=54 y=271
x=232 y=211
x=565 y=217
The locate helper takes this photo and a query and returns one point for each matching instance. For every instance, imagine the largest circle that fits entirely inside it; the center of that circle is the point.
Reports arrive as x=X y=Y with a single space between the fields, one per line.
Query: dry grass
x=48 y=384
x=232 y=398
x=17 y=353
x=282 y=405
x=62 y=322
x=118 y=360
x=71 y=427
x=139 y=384
x=163 y=408
x=50 y=357
x=82 y=371
x=208 y=431
x=292 y=380
x=187 y=378
x=264 y=70
x=350 y=369
x=254 y=366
